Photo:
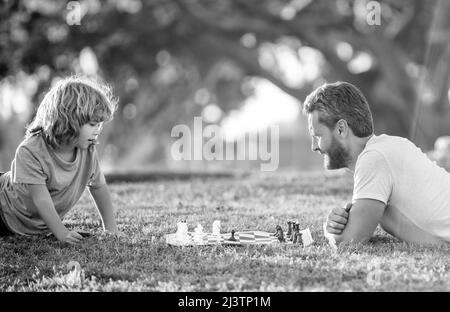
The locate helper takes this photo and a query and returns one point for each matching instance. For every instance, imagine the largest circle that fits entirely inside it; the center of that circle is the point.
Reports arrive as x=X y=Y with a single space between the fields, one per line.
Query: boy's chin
x=85 y=146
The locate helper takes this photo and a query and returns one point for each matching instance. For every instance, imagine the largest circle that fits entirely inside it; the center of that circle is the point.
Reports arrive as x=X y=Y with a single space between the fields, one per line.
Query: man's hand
x=337 y=219
x=71 y=237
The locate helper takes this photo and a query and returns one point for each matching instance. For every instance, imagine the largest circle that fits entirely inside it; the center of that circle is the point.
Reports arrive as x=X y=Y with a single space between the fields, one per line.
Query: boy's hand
x=72 y=237
x=337 y=219
x=113 y=233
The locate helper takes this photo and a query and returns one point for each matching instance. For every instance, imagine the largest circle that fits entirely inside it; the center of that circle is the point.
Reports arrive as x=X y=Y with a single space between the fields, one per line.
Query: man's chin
x=332 y=166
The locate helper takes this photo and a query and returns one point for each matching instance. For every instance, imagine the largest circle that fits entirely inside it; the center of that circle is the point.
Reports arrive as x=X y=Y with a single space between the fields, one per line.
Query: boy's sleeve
x=97 y=178
x=27 y=168
x=373 y=178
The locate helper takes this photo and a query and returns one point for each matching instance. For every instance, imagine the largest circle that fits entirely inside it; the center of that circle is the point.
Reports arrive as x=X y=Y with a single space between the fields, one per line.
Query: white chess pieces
x=182 y=231
x=198 y=233
x=199 y=229
x=306 y=237
x=216 y=228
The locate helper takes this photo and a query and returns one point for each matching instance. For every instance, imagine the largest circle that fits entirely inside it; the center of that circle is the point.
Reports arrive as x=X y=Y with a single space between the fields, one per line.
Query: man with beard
x=395 y=184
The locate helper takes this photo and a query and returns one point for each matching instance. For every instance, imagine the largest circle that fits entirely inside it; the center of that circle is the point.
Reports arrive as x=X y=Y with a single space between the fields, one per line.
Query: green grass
x=138 y=262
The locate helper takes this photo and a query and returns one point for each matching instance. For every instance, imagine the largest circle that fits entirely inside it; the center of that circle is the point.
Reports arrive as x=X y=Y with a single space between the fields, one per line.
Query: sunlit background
x=244 y=65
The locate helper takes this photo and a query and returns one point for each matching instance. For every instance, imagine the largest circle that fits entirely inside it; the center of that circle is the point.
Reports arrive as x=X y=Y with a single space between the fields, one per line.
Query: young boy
x=56 y=161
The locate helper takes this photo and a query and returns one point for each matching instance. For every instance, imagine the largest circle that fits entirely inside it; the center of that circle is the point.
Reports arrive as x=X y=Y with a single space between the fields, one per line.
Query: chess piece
x=300 y=238
x=182 y=231
x=289 y=232
x=198 y=233
x=279 y=234
x=232 y=238
x=296 y=233
x=199 y=229
x=307 y=237
x=216 y=227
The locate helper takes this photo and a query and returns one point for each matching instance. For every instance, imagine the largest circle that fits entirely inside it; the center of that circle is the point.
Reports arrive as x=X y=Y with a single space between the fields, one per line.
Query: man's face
x=325 y=142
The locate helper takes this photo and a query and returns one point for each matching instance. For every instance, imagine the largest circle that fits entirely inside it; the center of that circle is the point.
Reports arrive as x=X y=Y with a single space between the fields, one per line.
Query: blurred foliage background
x=240 y=64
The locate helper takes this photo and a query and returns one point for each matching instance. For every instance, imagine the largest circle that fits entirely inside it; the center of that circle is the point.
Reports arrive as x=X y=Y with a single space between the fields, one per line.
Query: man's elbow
x=349 y=238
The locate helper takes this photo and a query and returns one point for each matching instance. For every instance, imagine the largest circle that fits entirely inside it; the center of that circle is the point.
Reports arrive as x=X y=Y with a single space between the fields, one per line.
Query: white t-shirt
x=416 y=191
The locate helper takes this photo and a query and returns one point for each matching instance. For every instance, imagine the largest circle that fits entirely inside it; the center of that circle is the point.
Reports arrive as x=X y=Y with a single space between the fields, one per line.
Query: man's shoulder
x=380 y=149
x=387 y=145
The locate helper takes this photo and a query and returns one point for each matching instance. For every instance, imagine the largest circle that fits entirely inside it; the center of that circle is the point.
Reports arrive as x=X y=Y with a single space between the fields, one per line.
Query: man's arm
x=364 y=216
x=44 y=204
x=105 y=207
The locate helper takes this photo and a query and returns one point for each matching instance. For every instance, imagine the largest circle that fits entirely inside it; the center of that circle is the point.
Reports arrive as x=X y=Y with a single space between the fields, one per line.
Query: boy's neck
x=67 y=152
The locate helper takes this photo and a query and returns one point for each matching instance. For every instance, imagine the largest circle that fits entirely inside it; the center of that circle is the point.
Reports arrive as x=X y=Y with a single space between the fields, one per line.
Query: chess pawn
x=232 y=238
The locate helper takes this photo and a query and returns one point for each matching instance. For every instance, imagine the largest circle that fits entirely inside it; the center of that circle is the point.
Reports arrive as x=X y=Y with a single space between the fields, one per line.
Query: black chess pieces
x=296 y=233
x=289 y=232
x=232 y=238
x=279 y=234
x=297 y=236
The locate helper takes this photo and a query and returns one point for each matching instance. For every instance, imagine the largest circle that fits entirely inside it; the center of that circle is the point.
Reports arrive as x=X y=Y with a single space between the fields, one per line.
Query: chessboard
x=241 y=238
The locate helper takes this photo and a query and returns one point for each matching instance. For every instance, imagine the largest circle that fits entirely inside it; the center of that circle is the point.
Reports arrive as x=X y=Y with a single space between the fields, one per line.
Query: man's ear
x=342 y=127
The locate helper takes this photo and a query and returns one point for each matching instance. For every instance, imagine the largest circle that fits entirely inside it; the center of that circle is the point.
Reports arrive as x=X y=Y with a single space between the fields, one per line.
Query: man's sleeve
x=27 y=168
x=373 y=178
x=97 y=178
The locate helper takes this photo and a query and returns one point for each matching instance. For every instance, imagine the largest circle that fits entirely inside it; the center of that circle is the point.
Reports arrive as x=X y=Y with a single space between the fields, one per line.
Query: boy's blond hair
x=71 y=103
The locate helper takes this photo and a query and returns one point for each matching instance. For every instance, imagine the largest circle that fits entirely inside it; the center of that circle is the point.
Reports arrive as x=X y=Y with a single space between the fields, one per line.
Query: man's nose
x=315 y=146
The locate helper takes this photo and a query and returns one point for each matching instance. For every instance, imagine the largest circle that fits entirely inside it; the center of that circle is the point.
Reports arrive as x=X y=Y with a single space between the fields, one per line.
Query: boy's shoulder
x=34 y=143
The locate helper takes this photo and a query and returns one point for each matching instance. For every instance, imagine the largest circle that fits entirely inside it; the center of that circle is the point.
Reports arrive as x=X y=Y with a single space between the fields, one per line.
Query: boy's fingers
x=77 y=236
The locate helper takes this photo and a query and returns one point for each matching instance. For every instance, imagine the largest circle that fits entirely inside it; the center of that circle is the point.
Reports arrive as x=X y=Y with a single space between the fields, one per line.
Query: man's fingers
x=336 y=225
x=333 y=230
x=348 y=207
x=339 y=212
x=337 y=219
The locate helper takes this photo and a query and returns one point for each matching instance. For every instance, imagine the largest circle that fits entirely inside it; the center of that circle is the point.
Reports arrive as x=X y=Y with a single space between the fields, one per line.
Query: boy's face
x=89 y=133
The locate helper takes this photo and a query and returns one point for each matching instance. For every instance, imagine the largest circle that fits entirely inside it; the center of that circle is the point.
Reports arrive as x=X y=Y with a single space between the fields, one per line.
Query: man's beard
x=336 y=157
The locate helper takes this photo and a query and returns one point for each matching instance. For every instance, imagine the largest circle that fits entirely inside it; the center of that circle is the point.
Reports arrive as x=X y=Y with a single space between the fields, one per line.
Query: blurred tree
x=168 y=59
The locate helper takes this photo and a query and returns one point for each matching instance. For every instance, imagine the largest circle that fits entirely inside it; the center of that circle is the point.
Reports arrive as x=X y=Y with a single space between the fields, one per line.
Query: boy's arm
x=104 y=205
x=364 y=216
x=44 y=204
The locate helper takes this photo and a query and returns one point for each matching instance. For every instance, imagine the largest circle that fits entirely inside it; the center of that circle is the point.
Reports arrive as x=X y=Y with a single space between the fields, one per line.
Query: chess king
x=396 y=185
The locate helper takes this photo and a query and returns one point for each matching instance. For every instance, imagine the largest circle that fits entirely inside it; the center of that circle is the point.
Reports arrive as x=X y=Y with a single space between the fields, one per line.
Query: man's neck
x=357 y=146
